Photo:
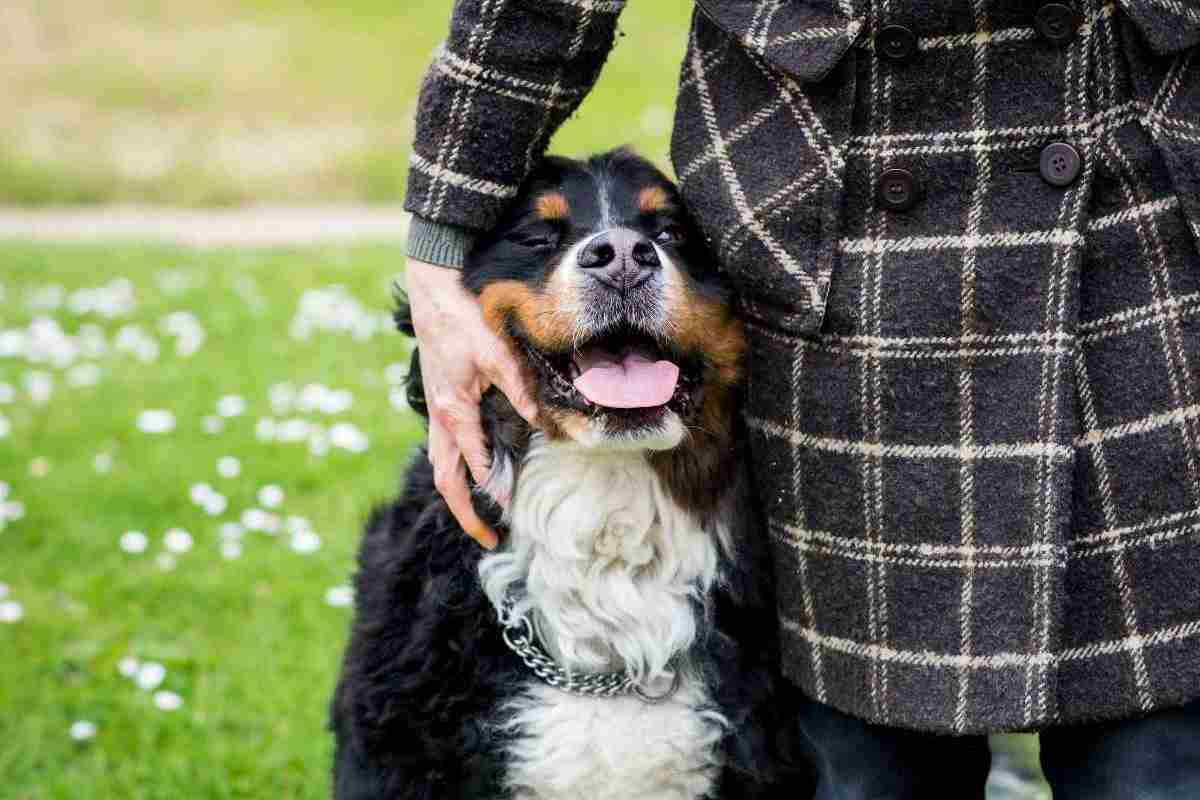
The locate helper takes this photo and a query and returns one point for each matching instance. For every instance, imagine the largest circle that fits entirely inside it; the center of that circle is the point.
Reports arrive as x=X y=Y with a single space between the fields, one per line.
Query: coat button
x=896 y=43
x=1060 y=164
x=897 y=189
x=1056 y=22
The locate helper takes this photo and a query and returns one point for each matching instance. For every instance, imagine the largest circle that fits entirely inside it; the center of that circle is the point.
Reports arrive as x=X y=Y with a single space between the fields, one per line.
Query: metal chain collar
x=519 y=635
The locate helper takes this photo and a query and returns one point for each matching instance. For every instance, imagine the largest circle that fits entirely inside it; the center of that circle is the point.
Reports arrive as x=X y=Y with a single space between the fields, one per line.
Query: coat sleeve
x=1169 y=26
x=509 y=73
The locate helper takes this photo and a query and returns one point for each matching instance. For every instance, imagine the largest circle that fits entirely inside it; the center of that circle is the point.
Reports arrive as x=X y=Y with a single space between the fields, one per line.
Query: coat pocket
x=759 y=158
x=803 y=39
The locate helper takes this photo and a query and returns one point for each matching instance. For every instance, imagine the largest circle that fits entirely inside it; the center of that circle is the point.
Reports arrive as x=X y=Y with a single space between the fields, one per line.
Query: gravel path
x=256 y=226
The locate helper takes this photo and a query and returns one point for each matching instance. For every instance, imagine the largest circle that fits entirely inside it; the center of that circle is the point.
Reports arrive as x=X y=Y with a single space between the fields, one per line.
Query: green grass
x=235 y=101
x=249 y=644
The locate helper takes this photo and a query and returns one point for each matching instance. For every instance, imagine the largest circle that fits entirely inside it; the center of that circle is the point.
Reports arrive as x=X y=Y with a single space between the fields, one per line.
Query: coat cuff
x=438 y=243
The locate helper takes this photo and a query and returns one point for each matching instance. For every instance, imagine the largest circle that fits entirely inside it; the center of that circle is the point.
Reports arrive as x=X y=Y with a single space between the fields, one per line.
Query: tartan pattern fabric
x=975 y=424
x=978 y=458
x=507 y=76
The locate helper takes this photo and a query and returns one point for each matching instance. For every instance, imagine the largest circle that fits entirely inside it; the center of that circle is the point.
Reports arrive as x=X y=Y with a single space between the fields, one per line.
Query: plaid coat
x=974 y=401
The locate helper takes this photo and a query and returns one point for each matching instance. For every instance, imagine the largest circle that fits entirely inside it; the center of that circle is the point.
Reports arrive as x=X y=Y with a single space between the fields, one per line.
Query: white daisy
x=11 y=611
x=156 y=420
x=347 y=436
x=339 y=596
x=150 y=675
x=200 y=492
x=255 y=519
x=177 y=541
x=305 y=542
x=134 y=542
x=270 y=496
x=229 y=467
x=11 y=511
x=215 y=504
x=264 y=429
x=167 y=701
x=231 y=405
x=82 y=730
x=292 y=430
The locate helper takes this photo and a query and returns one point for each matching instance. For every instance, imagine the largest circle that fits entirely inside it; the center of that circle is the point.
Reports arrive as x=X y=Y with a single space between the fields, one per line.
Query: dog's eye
x=671 y=234
x=535 y=240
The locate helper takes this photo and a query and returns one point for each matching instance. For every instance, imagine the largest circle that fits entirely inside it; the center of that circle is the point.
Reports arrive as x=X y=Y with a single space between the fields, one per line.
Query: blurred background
x=223 y=102
x=193 y=424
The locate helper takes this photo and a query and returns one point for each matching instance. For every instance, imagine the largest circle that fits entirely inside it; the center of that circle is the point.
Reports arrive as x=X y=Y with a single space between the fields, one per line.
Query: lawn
x=241 y=621
x=232 y=101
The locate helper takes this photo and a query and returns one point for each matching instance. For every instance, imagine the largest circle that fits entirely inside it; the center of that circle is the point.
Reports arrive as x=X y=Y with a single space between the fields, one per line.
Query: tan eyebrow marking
x=552 y=205
x=652 y=199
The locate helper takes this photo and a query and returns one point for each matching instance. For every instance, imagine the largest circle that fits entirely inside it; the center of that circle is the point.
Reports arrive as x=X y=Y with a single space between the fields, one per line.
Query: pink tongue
x=629 y=381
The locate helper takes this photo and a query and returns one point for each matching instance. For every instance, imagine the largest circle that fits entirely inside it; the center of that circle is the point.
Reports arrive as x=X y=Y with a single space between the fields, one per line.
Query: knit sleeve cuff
x=438 y=243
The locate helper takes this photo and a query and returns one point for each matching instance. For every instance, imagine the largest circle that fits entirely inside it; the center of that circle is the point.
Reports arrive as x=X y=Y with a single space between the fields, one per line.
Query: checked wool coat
x=974 y=388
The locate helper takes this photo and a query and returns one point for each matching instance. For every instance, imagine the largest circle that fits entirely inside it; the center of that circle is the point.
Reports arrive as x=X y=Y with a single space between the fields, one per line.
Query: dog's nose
x=620 y=258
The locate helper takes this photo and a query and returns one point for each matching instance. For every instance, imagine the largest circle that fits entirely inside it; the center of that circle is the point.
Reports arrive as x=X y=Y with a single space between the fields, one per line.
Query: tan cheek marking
x=552 y=206
x=652 y=199
x=704 y=325
x=544 y=317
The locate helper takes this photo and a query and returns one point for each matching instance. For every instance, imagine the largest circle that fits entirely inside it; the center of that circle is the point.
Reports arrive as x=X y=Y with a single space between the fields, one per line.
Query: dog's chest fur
x=614 y=573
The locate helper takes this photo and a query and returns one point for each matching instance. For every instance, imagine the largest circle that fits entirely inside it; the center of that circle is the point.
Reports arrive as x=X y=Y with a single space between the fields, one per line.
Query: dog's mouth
x=630 y=377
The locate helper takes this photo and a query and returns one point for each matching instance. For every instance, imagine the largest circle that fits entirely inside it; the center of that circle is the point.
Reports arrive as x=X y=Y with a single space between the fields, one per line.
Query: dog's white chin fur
x=666 y=435
x=613 y=573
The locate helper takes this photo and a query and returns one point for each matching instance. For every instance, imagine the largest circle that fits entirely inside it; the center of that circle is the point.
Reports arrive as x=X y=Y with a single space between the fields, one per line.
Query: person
x=964 y=235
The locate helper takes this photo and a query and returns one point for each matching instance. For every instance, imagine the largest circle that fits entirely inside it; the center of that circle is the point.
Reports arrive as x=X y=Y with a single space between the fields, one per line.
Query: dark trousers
x=1152 y=758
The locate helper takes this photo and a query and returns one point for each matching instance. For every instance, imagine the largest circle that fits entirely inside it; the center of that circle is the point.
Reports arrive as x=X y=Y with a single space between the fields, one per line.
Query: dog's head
x=603 y=286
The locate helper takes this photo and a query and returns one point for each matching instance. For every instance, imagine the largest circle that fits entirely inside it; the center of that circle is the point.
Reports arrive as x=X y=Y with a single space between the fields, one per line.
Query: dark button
x=1060 y=164
x=896 y=43
x=897 y=189
x=1056 y=22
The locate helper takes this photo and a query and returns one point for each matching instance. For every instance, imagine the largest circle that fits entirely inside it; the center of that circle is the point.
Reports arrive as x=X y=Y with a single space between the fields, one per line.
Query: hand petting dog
x=460 y=359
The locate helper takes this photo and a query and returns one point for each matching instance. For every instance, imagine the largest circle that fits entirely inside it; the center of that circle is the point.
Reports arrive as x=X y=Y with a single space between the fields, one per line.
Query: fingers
x=466 y=428
x=474 y=452
x=450 y=478
x=505 y=373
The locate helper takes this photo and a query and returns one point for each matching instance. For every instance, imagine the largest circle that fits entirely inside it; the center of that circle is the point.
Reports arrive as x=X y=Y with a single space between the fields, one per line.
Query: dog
x=621 y=642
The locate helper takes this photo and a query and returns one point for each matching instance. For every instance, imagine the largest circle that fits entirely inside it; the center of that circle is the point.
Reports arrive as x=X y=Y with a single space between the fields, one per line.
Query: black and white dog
x=620 y=644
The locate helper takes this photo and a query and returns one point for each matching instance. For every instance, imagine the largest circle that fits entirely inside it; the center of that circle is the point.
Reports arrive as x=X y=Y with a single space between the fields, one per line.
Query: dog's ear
x=403 y=313
x=414 y=388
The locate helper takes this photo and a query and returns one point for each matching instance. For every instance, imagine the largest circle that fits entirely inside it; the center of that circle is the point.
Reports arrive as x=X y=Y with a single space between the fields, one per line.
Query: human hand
x=460 y=358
